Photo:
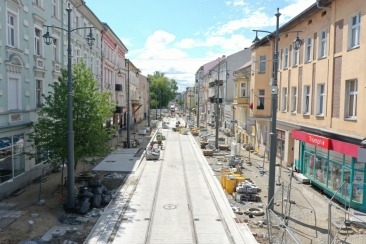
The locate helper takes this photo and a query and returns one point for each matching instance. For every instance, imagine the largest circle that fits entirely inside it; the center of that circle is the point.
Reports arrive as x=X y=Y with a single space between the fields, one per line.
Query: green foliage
x=180 y=102
x=162 y=90
x=91 y=109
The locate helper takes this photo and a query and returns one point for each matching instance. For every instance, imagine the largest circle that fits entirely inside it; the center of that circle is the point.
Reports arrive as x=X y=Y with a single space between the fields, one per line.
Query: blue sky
x=176 y=37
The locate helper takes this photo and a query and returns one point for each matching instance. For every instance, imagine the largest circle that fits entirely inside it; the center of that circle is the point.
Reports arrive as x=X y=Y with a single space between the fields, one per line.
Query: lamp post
x=198 y=105
x=198 y=79
x=128 y=102
x=274 y=90
x=148 y=110
x=70 y=130
x=217 y=83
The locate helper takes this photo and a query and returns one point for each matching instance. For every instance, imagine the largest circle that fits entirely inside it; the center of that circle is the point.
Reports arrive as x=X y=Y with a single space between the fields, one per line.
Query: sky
x=177 y=37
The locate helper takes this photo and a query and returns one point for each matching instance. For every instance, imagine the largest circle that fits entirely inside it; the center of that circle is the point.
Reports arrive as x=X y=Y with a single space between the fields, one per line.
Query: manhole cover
x=170 y=206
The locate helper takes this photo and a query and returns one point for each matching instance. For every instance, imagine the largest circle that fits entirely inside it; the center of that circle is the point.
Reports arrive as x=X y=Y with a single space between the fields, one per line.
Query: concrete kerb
x=222 y=198
x=118 y=203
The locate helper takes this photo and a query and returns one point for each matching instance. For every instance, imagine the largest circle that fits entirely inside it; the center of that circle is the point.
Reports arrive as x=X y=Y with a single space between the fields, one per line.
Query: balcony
x=135 y=102
x=243 y=100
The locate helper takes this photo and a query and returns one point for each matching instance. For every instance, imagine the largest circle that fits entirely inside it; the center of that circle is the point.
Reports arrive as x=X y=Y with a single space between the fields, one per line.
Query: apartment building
x=243 y=125
x=113 y=77
x=28 y=66
x=321 y=117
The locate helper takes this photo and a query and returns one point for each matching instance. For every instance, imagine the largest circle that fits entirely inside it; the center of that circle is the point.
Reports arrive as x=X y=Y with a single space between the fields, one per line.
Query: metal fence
x=293 y=218
x=345 y=225
x=296 y=218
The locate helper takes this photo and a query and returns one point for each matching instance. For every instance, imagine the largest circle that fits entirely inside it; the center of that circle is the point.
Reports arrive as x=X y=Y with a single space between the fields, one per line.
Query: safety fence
x=345 y=225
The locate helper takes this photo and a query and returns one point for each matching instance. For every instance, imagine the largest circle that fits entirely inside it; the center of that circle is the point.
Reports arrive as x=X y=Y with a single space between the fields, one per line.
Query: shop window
x=334 y=176
x=12 y=158
x=336 y=157
x=309 y=164
x=358 y=184
x=346 y=188
x=320 y=169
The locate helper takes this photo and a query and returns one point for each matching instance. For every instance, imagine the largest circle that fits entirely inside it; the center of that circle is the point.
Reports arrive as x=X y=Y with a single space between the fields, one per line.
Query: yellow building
x=244 y=129
x=321 y=115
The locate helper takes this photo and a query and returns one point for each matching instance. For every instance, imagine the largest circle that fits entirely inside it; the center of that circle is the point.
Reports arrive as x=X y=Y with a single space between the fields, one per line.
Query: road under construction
x=175 y=199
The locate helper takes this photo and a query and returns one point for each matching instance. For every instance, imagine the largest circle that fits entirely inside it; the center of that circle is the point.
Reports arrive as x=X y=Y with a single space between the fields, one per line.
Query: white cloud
x=236 y=3
x=164 y=53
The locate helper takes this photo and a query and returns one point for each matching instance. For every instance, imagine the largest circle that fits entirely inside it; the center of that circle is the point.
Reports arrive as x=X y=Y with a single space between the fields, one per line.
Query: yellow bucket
x=230 y=185
x=239 y=179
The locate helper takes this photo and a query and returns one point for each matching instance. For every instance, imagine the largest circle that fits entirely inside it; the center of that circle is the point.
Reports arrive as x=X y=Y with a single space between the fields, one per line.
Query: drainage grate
x=170 y=206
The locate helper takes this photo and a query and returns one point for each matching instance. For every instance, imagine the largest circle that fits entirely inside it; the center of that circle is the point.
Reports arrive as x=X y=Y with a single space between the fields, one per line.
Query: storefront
x=332 y=165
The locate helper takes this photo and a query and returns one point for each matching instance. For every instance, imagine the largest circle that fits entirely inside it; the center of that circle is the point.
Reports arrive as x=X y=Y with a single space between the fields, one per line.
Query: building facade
x=321 y=120
x=28 y=66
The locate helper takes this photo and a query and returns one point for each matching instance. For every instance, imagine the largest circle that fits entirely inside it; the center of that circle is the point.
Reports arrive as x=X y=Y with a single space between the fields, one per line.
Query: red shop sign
x=318 y=141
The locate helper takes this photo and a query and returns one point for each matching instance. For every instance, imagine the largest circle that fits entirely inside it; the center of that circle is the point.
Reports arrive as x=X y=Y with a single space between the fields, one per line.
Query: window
x=91 y=63
x=243 y=89
x=261 y=99
x=38 y=3
x=355 y=26
x=39 y=92
x=323 y=44
x=79 y=58
x=11 y=30
x=96 y=43
x=37 y=41
x=13 y=94
x=236 y=93
x=12 y=158
x=320 y=100
x=351 y=99
x=285 y=58
x=77 y=24
x=281 y=138
x=262 y=64
x=293 y=99
x=308 y=50
x=295 y=57
x=284 y=99
x=55 y=50
x=306 y=103
x=55 y=4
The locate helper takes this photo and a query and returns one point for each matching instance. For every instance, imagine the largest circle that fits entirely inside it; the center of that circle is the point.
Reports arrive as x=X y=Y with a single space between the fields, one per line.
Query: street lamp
x=148 y=111
x=70 y=130
x=274 y=89
x=198 y=80
x=128 y=101
x=217 y=83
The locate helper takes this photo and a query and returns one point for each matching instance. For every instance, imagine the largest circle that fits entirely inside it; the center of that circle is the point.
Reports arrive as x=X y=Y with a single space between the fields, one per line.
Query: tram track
x=218 y=209
x=189 y=200
x=152 y=212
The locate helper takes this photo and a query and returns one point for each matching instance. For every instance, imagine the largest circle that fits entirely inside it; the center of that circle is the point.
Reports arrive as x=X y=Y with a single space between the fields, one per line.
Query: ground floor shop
x=333 y=166
x=16 y=168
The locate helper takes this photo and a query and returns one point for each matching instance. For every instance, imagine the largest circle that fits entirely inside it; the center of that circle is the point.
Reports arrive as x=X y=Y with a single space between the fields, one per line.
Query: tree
x=91 y=109
x=162 y=89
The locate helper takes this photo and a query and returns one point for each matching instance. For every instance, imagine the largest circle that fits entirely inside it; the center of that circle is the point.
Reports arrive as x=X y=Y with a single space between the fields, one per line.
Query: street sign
x=234 y=121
